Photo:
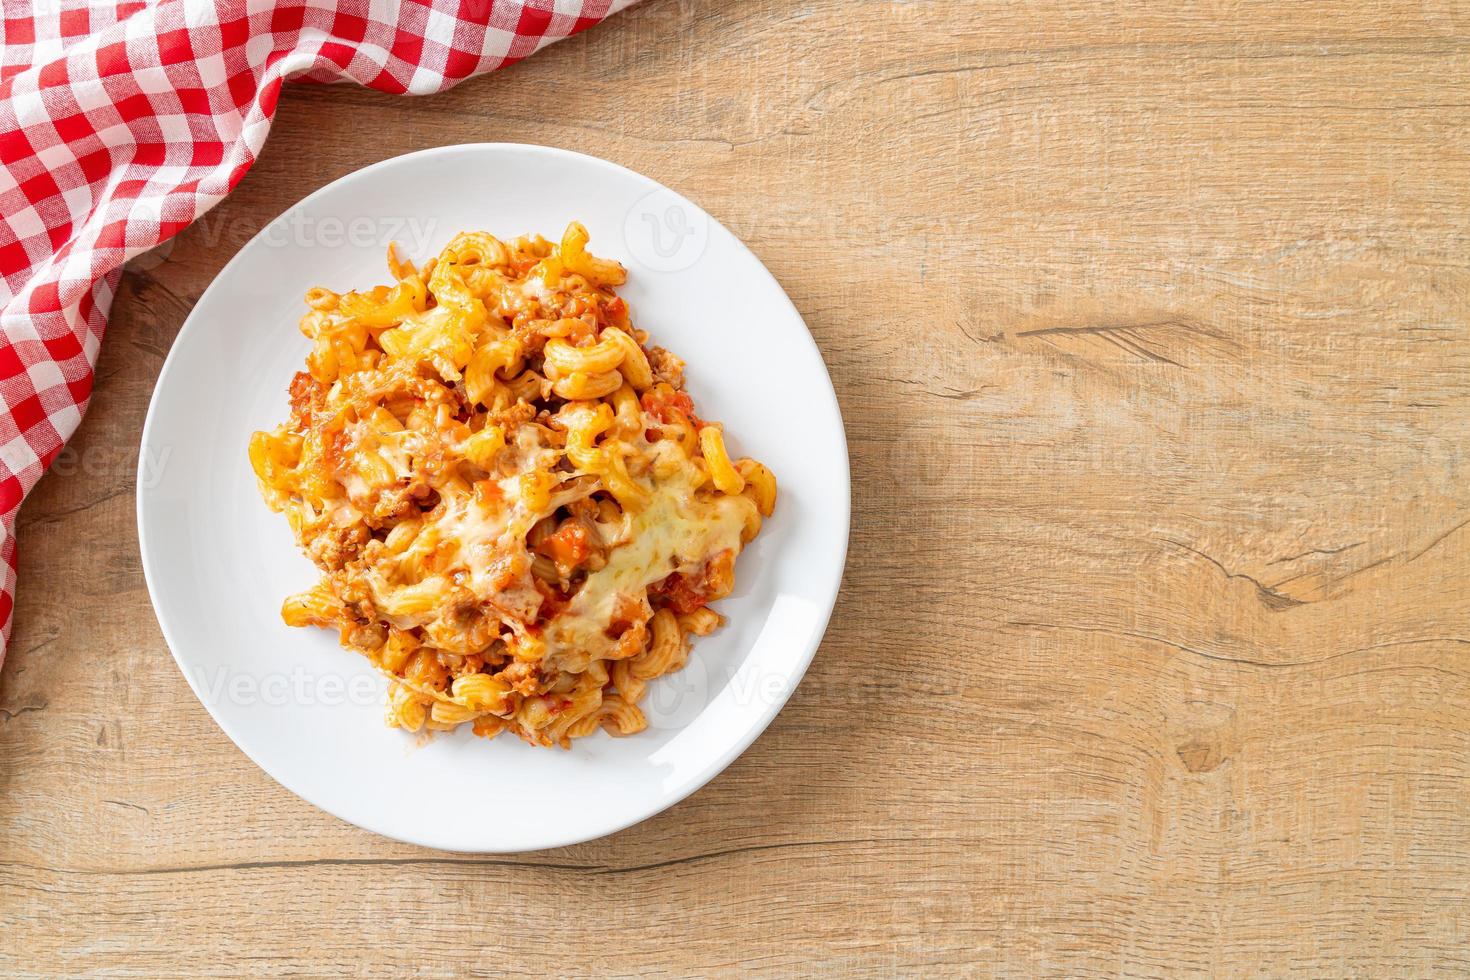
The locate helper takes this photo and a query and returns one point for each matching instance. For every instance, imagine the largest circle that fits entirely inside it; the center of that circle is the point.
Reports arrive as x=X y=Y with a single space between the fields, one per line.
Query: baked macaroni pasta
x=519 y=517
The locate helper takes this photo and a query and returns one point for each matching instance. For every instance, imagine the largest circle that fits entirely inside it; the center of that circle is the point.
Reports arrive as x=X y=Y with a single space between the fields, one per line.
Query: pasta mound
x=519 y=517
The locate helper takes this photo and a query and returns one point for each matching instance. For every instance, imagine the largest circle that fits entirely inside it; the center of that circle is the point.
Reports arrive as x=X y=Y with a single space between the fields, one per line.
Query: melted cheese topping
x=677 y=532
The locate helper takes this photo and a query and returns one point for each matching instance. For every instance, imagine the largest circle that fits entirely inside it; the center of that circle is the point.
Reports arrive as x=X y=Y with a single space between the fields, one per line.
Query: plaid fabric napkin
x=122 y=121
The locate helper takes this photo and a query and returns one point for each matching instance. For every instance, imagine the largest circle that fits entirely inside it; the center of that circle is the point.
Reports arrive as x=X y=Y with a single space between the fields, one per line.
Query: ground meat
x=513 y=416
x=333 y=546
x=667 y=368
x=307 y=397
x=398 y=503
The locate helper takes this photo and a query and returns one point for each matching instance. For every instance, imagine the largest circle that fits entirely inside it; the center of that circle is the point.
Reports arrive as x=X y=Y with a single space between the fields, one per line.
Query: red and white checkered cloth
x=123 y=121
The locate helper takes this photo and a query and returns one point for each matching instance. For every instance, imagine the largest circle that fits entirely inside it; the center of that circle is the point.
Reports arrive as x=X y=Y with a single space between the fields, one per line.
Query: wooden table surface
x=1149 y=325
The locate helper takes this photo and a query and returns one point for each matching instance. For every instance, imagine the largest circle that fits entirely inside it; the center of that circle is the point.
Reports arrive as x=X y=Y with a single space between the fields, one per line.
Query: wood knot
x=1201 y=756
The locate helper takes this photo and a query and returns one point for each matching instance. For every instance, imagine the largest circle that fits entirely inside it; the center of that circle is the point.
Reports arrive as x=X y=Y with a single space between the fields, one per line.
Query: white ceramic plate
x=218 y=561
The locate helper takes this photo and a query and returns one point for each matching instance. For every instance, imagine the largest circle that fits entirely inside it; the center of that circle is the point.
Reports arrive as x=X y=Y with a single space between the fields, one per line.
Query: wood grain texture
x=1149 y=325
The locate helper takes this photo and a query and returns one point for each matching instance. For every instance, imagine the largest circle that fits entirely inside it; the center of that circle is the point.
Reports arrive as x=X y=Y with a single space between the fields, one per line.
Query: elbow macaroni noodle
x=518 y=516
